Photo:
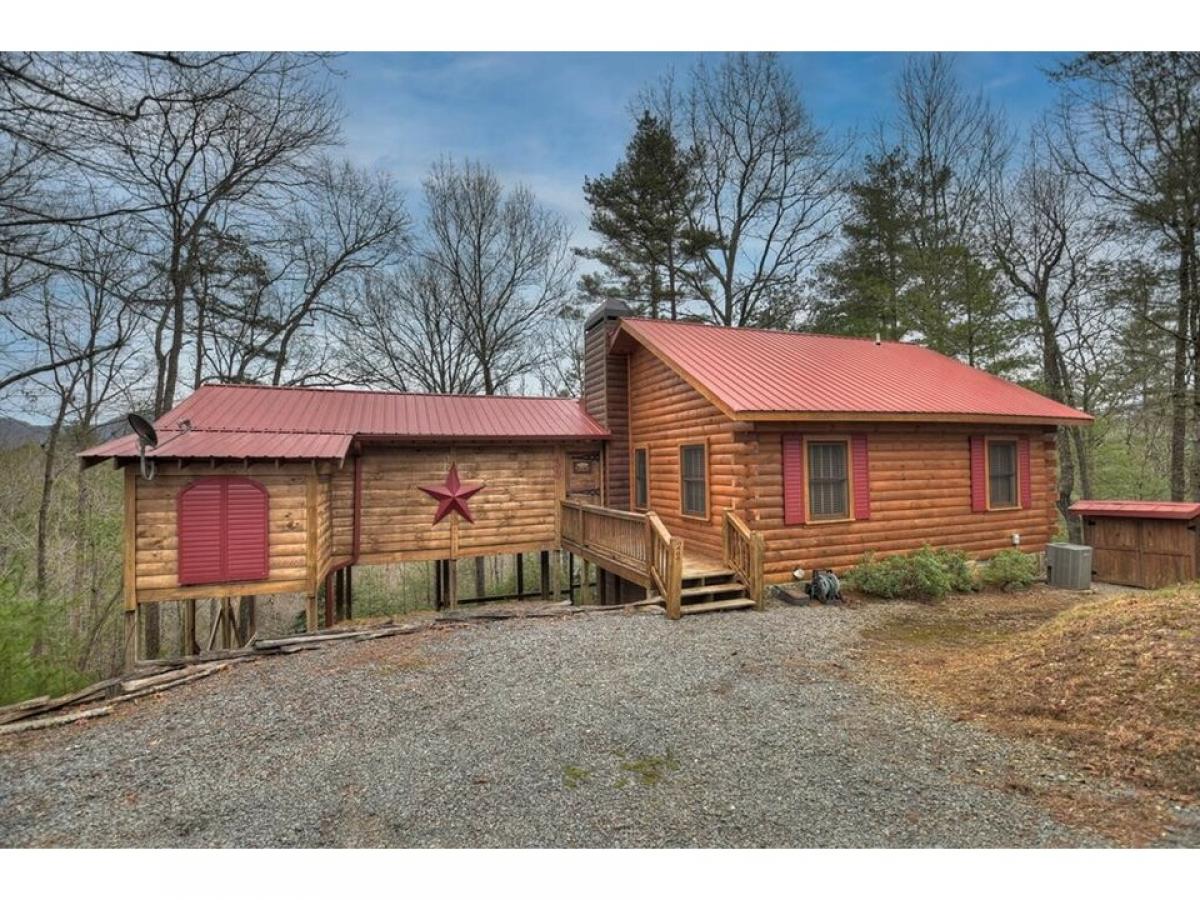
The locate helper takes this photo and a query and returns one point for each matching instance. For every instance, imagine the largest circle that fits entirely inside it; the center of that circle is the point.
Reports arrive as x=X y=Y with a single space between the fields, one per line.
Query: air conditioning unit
x=1069 y=566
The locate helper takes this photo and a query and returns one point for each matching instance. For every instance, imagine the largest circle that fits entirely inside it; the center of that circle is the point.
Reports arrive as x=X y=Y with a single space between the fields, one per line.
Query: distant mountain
x=15 y=433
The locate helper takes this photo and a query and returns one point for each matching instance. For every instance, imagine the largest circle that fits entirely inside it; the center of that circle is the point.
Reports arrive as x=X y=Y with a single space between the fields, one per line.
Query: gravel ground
x=618 y=729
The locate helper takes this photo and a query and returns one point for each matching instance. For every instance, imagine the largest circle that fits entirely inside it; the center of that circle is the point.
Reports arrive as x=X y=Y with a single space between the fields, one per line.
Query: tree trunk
x=38 y=648
x=1179 y=373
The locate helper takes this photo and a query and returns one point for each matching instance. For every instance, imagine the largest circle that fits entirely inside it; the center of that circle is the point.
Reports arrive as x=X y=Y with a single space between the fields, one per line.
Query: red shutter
x=245 y=530
x=978 y=475
x=1023 y=473
x=793 y=479
x=862 y=477
x=199 y=512
x=222 y=526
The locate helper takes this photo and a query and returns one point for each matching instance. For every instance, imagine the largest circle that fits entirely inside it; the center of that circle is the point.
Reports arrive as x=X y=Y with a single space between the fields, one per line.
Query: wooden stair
x=714 y=591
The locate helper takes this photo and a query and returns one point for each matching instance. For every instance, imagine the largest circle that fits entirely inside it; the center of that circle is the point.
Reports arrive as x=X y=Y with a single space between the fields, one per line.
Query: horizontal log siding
x=157 y=541
x=920 y=493
x=665 y=412
x=516 y=509
x=342 y=503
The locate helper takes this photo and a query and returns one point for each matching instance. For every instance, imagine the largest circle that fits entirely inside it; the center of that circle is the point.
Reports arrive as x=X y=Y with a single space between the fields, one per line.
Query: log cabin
x=700 y=465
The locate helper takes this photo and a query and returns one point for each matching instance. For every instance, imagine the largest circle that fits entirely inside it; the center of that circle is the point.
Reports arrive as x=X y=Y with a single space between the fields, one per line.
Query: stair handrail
x=665 y=563
x=743 y=551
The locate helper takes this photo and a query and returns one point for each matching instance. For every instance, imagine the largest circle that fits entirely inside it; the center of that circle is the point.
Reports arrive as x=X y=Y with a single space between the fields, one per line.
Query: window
x=1002 y=474
x=641 y=486
x=828 y=480
x=693 y=477
x=222 y=522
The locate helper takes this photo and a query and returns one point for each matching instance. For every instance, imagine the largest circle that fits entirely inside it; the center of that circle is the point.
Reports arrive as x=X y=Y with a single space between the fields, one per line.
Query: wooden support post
x=544 y=564
x=131 y=636
x=556 y=574
x=480 y=578
x=129 y=567
x=521 y=576
x=452 y=583
x=585 y=583
x=439 y=572
x=310 y=612
x=571 y=578
x=247 y=619
x=190 y=647
x=226 y=623
x=330 y=615
x=349 y=592
x=310 y=528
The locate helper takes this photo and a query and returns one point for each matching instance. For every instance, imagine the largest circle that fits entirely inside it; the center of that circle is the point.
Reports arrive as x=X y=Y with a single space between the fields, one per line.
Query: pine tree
x=866 y=286
x=641 y=213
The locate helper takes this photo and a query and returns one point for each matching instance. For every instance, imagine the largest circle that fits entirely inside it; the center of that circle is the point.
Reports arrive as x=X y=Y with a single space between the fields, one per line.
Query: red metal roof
x=750 y=372
x=1136 y=509
x=249 y=421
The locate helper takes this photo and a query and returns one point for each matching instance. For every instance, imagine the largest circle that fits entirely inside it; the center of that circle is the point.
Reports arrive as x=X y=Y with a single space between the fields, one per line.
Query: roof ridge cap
x=782 y=331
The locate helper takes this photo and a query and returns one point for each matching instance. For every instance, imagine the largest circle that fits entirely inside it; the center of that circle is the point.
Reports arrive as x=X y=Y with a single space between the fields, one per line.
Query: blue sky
x=549 y=119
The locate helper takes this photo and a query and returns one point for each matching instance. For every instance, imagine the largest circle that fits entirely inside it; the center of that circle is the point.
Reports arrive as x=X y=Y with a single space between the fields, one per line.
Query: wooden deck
x=699 y=566
x=638 y=548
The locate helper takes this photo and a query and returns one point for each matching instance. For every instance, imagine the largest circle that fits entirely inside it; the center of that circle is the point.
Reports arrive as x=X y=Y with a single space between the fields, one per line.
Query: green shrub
x=924 y=574
x=958 y=568
x=1010 y=570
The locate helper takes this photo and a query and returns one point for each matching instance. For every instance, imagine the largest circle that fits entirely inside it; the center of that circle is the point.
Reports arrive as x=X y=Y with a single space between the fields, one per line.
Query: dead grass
x=1115 y=682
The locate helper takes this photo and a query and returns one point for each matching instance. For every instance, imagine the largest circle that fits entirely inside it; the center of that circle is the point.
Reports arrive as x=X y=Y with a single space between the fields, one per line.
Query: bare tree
x=293 y=276
x=505 y=263
x=408 y=337
x=1044 y=238
x=219 y=140
x=769 y=180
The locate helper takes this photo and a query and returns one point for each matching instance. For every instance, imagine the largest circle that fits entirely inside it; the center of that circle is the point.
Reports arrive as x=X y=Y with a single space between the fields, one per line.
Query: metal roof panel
x=755 y=372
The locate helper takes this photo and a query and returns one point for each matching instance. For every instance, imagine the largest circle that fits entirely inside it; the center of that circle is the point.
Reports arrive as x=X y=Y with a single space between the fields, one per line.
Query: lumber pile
x=157 y=675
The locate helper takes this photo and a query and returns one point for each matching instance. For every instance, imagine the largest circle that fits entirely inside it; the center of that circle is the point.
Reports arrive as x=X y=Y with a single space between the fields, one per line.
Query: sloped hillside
x=1114 y=681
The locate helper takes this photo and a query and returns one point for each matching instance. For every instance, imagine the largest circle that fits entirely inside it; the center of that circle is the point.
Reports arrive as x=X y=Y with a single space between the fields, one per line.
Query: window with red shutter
x=222 y=528
x=862 y=477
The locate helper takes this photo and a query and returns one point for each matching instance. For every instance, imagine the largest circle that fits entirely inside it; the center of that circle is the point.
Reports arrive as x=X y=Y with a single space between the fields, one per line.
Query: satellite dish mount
x=148 y=437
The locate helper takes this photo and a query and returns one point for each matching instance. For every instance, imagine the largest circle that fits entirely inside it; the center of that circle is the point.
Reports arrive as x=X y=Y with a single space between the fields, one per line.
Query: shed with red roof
x=1148 y=544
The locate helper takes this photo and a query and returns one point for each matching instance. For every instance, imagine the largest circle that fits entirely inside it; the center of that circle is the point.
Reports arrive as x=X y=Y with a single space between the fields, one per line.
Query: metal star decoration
x=453 y=495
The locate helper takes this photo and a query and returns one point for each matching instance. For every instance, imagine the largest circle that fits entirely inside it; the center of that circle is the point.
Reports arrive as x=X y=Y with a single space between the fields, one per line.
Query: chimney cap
x=612 y=308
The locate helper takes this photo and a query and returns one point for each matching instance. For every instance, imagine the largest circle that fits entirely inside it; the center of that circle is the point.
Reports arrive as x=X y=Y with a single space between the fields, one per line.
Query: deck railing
x=615 y=538
x=666 y=565
x=743 y=552
x=636 y=546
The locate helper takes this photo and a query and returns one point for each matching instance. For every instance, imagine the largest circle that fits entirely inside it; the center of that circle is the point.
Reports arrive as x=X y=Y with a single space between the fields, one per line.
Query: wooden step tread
x=701 y=589
x=717 y=605
x=706 y=575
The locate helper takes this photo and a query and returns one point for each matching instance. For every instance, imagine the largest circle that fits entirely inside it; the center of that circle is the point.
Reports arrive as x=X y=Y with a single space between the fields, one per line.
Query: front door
x=583 y=477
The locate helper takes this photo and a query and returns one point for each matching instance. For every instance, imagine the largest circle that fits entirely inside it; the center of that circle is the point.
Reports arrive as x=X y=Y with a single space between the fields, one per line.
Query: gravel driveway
x=615 y=729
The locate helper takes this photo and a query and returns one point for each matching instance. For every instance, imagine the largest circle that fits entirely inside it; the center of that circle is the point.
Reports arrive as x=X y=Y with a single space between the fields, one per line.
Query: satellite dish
x=144 y=430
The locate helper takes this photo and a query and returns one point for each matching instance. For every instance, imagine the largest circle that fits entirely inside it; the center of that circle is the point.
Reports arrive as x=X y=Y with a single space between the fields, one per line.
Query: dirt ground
x=1109 y=677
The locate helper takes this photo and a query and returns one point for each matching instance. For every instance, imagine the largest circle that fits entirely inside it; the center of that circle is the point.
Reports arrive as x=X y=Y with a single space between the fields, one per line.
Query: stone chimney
x=606 y=396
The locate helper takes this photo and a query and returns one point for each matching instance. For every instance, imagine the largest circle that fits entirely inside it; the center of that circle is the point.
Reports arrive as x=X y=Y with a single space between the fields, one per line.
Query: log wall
x=517 y=509
x=156 y=538
x=920 y=482
x=516 y=512
x=665 y=412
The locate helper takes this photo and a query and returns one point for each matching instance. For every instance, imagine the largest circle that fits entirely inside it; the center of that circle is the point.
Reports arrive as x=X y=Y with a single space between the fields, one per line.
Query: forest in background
x=168 y=220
